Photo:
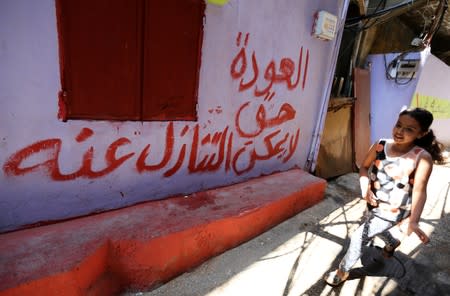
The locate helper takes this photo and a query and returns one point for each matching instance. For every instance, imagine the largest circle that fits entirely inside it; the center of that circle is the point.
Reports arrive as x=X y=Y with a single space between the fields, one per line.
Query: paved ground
x=291 y=258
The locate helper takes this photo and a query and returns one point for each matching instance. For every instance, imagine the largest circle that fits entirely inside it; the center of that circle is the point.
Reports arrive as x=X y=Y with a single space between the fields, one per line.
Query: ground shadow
x=404 y=269
x=423 y=271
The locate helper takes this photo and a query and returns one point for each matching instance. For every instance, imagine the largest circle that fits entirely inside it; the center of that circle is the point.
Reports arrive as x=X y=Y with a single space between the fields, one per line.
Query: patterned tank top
x=392 y=180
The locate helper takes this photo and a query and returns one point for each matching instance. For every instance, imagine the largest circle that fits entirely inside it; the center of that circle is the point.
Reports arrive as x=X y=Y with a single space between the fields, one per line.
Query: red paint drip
x=62 y=109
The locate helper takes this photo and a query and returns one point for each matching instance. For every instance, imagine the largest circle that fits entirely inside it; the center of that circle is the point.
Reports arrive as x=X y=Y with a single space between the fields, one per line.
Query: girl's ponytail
x=429 y=143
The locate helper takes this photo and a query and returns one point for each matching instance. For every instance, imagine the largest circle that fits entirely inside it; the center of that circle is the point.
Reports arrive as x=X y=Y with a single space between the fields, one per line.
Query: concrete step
x=142 y=246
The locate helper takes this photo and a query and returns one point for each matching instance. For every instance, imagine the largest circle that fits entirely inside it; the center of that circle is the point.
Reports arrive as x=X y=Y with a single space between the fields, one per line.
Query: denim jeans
x=372 y=226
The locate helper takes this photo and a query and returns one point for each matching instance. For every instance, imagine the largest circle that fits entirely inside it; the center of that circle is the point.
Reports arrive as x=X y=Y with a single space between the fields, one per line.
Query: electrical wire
x=377 y=13
x=442 y=15
x=434 y=27
x=443 y=4
x=363 y=23
x=394 y=64
x=366 y=26
x=362 y=28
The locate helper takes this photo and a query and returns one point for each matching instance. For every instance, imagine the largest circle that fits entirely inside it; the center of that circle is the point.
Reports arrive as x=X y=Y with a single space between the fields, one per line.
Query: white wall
x=41 y=183
x=434 y=85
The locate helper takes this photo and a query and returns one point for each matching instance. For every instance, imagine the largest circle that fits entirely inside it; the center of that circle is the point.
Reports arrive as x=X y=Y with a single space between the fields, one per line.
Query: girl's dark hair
x=428 y=141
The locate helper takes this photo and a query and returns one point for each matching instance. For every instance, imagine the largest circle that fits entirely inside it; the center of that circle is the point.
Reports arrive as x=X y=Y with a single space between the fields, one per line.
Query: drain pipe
x=311 y=161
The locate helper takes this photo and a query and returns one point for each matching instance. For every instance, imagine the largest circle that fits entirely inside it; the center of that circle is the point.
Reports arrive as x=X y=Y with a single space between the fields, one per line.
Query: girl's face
x=406 y=130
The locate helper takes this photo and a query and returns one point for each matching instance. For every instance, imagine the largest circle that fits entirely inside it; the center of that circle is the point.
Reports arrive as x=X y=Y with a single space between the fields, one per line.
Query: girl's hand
x=370 y=198
x=414 y=227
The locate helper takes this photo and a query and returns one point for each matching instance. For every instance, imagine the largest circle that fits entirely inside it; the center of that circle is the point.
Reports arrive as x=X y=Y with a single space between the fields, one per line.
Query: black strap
x=380 y=154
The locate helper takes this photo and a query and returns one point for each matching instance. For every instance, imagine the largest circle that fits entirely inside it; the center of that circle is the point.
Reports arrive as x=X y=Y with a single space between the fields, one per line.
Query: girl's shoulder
x=423 y=154
x=419 y=155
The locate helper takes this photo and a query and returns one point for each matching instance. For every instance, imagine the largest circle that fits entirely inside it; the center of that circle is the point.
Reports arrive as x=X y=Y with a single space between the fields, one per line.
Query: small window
x=130 y=59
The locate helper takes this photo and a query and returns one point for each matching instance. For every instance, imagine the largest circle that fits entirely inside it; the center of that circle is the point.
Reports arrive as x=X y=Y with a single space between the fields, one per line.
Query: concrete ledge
x=142 y=246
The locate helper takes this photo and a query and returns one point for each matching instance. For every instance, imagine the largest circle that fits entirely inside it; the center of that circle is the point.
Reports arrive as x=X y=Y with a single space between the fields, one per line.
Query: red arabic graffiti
x=286 y=70
x=224 y=155
x=264 y=138
x=53 y=146
x=286 y=113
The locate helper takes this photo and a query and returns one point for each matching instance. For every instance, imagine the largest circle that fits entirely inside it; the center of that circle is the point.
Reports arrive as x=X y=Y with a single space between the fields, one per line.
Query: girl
x=393 y=180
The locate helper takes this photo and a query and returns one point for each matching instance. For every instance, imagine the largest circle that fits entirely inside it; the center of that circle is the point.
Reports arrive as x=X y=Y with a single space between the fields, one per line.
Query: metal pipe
x=393 y=11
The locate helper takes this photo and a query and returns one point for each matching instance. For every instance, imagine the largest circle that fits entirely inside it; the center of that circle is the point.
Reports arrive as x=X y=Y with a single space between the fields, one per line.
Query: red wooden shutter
x=173 y=32
x=101 y=54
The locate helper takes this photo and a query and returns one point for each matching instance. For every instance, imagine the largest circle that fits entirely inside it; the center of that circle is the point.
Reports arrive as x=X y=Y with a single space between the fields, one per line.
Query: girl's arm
x=419 y=195
x=366 y=193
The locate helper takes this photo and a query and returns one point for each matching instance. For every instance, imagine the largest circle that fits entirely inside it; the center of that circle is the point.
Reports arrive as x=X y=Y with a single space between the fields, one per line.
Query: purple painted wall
x=387 y=97
x=43 y=176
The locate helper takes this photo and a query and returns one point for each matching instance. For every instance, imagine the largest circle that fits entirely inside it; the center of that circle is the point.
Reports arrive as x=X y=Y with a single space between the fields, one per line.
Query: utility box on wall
x=406 y=69
x=324 y=26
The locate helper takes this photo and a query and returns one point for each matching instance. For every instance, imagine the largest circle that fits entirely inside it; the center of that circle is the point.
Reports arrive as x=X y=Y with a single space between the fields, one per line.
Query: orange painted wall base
x=139 y=247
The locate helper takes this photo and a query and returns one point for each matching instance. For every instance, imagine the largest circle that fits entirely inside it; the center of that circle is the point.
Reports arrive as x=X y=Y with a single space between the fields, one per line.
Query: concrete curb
x=142 y=246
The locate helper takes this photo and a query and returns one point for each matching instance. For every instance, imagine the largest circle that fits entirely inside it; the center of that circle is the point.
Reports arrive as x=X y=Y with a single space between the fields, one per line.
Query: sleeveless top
x=392 y=180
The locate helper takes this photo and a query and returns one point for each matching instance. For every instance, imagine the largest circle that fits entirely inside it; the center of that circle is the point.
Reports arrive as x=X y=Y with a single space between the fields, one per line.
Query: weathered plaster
x=29 y=84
